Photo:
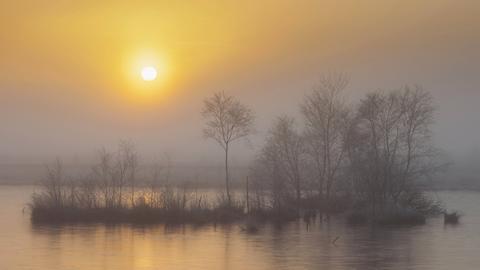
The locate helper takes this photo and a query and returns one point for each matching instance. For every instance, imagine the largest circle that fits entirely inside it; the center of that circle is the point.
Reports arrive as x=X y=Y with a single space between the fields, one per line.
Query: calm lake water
x=292 y=246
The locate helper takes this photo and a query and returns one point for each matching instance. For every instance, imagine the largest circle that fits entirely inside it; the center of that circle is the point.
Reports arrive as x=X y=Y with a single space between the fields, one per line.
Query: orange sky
x=69 y=71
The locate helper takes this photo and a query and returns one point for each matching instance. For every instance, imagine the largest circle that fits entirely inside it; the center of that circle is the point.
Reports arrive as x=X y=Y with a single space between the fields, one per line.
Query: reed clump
x=451 y=217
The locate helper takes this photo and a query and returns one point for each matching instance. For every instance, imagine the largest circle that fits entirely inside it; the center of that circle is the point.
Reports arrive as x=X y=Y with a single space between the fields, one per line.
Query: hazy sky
x=69 y=72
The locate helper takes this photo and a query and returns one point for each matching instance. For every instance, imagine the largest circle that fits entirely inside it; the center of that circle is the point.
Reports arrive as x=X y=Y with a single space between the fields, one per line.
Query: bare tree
x=55 y=186
x=102 y=172
x=290 y=149
x=114 y=172
x=127 y=164
x=270 y=184
x=87 y=188
x=227 y=120
x=281 y=162
x=167 y=192
x=326 y=121
x=393 y=148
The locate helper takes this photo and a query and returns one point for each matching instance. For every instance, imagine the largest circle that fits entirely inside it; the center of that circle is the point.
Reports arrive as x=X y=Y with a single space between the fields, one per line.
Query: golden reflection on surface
x=287 y=246
x=151 y=247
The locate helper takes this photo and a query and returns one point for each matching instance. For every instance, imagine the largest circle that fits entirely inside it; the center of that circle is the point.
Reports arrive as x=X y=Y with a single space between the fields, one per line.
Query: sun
x=149 y=73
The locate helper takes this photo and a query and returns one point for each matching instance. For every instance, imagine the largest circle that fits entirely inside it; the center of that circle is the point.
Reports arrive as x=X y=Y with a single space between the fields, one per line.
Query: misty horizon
x=199 y=150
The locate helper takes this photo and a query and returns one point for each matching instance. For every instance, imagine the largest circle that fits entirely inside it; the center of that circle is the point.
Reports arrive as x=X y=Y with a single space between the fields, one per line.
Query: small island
x=367 y=162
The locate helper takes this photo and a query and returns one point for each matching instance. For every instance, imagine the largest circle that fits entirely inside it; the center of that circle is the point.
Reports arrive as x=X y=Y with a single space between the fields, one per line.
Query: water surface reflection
x=287 y=246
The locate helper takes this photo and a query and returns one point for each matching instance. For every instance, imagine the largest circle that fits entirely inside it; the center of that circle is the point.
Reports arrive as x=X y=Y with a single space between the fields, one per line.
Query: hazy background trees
x=375 y=153
x=326 y=117
x=227 y=120
x=281 y=163
x=390 y=148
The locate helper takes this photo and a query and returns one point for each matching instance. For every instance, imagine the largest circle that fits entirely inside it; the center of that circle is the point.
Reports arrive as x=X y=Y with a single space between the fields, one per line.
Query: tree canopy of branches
x=391 y=146
x=375 y=153
x=281 y=162
x=326 y=119
x=116 y=170
x=227 y=120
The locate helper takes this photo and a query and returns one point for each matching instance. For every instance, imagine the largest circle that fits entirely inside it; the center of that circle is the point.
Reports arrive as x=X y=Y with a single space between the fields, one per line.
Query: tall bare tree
x=227 y=120
x=289 y=146
x=326 y=118
x=103 y=172
x=127 y=164
x=279 y=165
x=268 y=182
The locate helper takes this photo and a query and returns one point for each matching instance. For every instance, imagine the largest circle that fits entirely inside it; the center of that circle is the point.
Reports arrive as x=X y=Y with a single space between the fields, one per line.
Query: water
x=292 y=246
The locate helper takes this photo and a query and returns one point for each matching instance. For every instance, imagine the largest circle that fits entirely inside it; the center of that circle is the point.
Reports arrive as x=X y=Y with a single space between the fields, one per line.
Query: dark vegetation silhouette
x=451 y=218
x=227 y=120
x=366 y=161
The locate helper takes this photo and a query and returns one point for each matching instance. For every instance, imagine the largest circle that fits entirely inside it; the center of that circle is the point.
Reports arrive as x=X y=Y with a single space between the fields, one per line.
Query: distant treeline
x=366 y=158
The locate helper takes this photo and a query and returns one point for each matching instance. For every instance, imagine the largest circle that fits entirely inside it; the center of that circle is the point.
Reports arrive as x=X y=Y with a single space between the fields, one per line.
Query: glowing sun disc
x=149 y=73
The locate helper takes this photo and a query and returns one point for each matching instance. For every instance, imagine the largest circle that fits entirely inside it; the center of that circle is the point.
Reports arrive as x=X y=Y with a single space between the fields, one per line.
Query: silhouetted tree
x=290 y=148
x=391 y=148
x=54 y=184
x=281 y=163
x=227 y=120
x=103 y=172
x=114 y=172
x=326 y=121
x=127 y=165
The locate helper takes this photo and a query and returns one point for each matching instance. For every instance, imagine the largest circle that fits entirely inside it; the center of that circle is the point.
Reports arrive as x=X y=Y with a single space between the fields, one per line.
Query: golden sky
x=72 y=67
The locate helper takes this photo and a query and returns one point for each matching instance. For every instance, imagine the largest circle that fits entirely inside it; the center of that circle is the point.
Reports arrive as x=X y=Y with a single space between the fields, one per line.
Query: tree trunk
x=248 y=199
x=299 y=195
x=227 y=184
x=132 y=193
x=328 y=193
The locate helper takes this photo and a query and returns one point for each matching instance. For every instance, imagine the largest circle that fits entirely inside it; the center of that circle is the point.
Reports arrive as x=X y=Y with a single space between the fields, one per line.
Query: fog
x=64 y=93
